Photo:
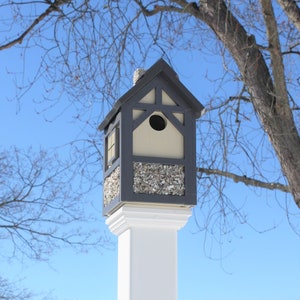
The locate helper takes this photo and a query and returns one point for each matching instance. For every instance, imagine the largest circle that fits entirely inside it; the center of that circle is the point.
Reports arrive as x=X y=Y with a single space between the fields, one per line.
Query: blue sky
x=247 y=265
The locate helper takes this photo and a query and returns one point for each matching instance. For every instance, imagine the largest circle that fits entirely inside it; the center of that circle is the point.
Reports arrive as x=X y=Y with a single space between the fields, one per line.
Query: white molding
x=153 y=216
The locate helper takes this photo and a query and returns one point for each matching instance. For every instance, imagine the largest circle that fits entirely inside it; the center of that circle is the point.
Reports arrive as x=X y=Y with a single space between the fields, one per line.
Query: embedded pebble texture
x=111 y=186
x=154 y=178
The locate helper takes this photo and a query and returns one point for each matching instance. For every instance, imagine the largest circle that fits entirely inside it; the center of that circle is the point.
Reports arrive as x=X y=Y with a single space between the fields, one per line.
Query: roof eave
x=162 y=68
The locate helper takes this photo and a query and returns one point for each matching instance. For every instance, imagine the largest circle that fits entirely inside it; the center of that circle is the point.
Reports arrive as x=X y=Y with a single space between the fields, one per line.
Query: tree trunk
x=277 y=121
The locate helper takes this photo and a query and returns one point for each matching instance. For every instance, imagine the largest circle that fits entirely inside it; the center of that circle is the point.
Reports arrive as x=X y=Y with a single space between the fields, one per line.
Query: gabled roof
x=160 y=68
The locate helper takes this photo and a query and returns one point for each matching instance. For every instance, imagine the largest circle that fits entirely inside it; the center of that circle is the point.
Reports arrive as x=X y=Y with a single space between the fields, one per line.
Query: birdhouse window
x=112 y=147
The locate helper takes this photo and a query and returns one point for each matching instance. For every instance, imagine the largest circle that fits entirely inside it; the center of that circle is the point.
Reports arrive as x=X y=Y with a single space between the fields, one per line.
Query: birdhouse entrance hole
x=157 y=122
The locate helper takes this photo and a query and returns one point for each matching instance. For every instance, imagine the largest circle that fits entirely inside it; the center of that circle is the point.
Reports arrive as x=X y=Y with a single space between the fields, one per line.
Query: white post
x=147 y=250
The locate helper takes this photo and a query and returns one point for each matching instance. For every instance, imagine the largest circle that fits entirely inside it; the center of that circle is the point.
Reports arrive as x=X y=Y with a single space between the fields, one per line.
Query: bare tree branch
x=39 y=205
x=10 y=291
x=244 y=179
x=54 y=6
x=282 y=102
x=292 y=10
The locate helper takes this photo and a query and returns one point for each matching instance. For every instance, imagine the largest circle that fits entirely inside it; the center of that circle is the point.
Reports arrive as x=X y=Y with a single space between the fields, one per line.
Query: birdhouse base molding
x=148 y=216
x=147 y=250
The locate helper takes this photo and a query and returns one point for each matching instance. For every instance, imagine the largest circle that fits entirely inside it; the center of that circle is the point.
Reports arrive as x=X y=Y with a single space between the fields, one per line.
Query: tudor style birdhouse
x=150 y=147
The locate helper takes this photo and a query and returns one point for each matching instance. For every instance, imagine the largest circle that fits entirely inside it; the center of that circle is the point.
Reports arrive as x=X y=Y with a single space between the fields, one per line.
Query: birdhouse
x=150 y=147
